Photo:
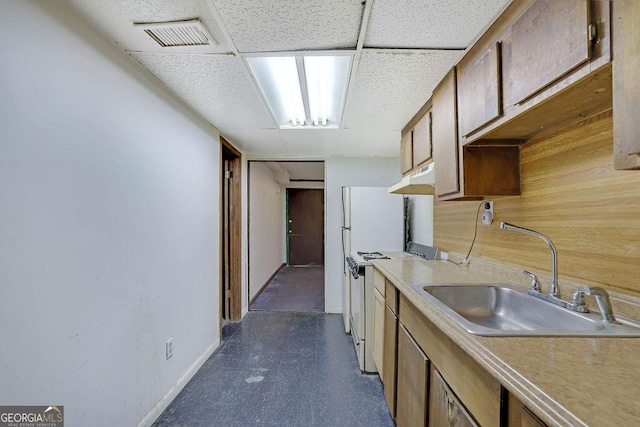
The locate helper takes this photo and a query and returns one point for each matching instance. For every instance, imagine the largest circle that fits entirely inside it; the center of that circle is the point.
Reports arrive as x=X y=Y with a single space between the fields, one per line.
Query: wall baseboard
x=164 y=403
x=333 y=310
x=266 y=283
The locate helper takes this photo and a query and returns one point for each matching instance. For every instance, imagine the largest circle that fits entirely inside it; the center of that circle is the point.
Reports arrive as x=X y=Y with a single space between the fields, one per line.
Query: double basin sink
x=507 y=310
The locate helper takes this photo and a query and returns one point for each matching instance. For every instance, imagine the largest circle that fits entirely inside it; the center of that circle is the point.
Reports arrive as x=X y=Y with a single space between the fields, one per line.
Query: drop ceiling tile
x=304 y=170
x=429 y=23
x=115 y=19
x=217 y=86
x=255 y=142
x=283 y=25
x=342 y=142
x=391 y=86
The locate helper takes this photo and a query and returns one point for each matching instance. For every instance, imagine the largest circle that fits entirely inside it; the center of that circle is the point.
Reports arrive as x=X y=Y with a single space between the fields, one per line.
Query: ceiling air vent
x=178 y=33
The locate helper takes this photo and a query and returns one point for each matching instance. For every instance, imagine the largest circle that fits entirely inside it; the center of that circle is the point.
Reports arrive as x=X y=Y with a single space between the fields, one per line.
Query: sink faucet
x=554 y=292
x=602 y=299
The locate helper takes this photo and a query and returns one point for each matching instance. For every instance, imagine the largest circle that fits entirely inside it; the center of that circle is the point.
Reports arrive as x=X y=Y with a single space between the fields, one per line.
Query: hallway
x=293 y=289
x=281 y=369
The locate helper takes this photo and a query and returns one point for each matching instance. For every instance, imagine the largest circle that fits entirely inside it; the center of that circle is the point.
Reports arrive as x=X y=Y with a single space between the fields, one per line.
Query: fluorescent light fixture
x=303 y=92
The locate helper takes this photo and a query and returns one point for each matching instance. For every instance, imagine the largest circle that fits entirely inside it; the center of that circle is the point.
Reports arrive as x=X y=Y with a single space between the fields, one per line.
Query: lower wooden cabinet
x=413 y=378
x=389 y=358
x=377 y=333
x=444 y=407
x=519 y=415
x=429 y=380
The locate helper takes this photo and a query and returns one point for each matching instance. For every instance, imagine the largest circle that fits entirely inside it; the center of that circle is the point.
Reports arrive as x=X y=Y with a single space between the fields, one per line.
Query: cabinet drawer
x=379 y=281
x=479 y=391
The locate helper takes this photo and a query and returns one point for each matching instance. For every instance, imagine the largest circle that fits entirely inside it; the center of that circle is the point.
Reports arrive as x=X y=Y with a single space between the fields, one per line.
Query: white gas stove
x=361 y=304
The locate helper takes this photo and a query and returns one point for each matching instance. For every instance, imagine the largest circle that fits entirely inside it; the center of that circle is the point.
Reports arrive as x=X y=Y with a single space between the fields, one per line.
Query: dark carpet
x=281 y=369
x=293 y=289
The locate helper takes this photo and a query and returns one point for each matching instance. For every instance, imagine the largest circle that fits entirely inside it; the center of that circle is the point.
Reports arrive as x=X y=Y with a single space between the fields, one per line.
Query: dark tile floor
x=293 y=289
x=281 y=369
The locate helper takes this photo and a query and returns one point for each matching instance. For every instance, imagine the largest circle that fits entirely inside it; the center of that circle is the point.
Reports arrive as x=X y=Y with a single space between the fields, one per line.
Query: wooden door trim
x=229 y=152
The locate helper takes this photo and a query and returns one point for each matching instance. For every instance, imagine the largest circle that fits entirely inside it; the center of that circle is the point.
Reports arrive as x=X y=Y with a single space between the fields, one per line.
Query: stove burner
x=370 y=257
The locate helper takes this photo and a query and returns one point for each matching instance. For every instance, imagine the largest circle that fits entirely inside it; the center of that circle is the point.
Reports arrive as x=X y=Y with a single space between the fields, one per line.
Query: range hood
x=419 y=182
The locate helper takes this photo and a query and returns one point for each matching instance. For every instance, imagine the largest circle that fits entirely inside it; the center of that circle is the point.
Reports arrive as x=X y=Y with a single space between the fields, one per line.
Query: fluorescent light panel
x=317 y=104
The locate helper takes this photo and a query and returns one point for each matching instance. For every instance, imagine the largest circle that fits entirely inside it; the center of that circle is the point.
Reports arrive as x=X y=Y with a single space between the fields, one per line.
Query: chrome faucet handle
x=602 y=299
x=535 y=283
x=578 y=297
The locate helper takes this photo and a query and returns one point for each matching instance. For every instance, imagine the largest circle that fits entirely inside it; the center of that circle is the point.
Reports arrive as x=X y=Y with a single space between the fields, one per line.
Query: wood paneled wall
x=570 y=193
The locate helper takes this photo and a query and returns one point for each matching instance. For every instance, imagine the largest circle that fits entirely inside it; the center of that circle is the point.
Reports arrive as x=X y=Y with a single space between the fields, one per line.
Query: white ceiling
x=401 y=48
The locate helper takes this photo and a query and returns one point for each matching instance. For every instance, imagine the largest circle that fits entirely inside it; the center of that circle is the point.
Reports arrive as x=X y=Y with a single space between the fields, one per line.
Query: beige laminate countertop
x=564 y=381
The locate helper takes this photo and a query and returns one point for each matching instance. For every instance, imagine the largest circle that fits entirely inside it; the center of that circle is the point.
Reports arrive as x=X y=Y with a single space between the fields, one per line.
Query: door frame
x=231 y=259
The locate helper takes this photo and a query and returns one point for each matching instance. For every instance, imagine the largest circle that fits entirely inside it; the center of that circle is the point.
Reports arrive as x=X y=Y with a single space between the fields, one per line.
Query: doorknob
x=290 y=231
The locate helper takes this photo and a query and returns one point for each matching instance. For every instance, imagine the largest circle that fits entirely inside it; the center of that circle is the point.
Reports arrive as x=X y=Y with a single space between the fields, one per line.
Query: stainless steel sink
x=507 y=310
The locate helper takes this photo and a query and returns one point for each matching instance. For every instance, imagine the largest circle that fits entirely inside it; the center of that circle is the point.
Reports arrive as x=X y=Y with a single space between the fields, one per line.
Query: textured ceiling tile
x=342 y=142
x=256 y=142
x=217 y=86
x=282 y=25
x=115 y=19
x=429 y=23
x=390 y=87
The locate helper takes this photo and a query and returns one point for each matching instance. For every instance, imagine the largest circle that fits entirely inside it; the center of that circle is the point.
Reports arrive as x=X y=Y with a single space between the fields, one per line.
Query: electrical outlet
x=169 y=348
x=487 y=216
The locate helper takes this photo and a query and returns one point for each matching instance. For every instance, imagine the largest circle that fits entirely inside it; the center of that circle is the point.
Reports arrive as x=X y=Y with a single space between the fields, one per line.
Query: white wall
x=266 y=226
x=344 y=172
x=421 y=219
x=109 y=218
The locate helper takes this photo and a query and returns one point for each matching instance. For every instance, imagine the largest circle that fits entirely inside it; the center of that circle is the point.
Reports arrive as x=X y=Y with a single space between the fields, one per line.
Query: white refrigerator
x=372 y=220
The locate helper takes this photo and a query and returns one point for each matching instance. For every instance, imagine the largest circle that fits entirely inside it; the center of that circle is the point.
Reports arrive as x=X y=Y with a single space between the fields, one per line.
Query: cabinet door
x=413 y=374
x=530 y=420
x=626 y=84
x=519 y=415
x=378 y=331
x=550 y=39
x=445 y=136
x=406 y=152
x=389 y=355
x=422 y=140
x=479 y=90
x=444 y=407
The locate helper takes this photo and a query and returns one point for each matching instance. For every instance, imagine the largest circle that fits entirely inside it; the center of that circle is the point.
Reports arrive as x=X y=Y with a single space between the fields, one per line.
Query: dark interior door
x=305 y=228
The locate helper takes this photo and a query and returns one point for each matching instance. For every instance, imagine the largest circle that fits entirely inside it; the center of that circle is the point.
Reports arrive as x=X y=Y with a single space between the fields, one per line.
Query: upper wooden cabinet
x=445 y=136
x=415 y=145
x=406 y=152
x=550 y=39
x=541 y=66
x=482 y=169
x=479 y=89
x=422 y=140
x=626 y=84
x=554 y=68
